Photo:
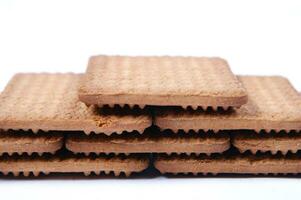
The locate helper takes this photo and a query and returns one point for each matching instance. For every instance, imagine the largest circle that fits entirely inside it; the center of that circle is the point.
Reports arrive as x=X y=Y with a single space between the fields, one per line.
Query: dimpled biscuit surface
x=161 y=80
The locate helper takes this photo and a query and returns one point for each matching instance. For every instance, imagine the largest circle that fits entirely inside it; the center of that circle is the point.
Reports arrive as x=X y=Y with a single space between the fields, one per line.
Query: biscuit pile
x=181 y=115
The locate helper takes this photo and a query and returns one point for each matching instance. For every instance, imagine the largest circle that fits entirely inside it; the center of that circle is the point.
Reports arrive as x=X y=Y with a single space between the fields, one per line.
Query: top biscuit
x=161 y=81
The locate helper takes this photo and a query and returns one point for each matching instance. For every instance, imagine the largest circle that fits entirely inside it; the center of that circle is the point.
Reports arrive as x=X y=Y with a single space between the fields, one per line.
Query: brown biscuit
x=50 y=102
x=162 y=81
x=273 y=105
x=233 y=165
x=27 y=165
x=24 y=142
x=279 y=142
x=165 y=142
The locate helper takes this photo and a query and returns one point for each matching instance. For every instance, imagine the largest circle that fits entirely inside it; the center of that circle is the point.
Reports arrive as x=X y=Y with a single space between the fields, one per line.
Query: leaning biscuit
x=116 y=165
x=161 y=81
x=273 y=142
x=149 y=142
x=20 y=142
x=49 y=102
x=240 y=164
x=273 y=105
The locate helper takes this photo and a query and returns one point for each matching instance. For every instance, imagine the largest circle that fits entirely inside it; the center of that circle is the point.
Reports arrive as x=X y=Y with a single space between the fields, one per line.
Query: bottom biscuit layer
x=232 y=165
x=27 y=165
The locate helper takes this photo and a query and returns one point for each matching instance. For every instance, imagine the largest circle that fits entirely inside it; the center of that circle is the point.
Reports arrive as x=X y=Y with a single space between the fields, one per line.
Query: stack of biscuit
x=183 y=115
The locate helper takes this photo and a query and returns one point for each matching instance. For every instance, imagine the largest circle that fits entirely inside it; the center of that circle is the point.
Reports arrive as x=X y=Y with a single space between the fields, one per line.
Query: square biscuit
x=234 y=164
x=149 y=142
x=49 y=102
x=161 y=81
x=36 y=165
x=21 y=142
x=273 y=104
x=274 y=143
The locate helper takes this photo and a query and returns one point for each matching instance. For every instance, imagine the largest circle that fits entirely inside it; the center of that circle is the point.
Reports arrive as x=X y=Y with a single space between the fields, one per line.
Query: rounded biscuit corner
x=281 y=77
x=144 y=164
x=94 y=57
x=243 y=98
x=221 y=59
x=94 y=60
x=59 y=140
x=69 y=144
x=84 y=98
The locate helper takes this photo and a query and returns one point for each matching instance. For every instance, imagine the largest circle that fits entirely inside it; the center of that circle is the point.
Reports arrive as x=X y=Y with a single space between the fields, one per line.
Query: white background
x=256 y=37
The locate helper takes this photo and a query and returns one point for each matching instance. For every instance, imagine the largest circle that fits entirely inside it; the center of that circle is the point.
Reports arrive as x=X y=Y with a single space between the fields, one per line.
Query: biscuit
x=49 y=102
x=240 y=164
x=27 y=165
x=161 y=81
x=273 y=105
x=273 y=142
x=23 y=142
x=149 y=142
